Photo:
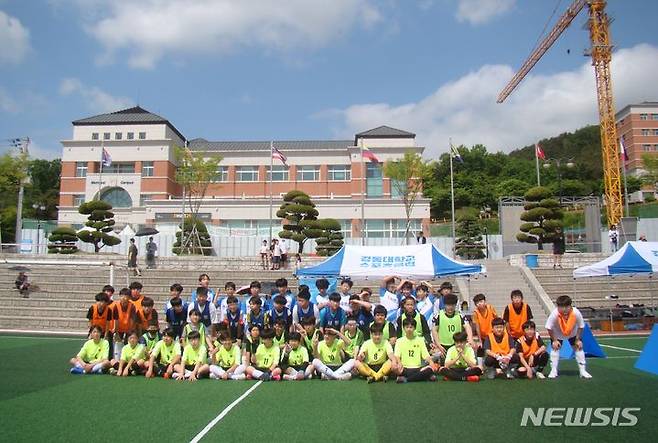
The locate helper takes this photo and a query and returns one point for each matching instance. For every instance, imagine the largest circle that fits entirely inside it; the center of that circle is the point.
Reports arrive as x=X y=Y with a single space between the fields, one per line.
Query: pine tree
x=298 y=209
x=542 y=216
x=331 y=239
x=468 y=244
x=63 y=241
x=197 y=246
x=101 y=220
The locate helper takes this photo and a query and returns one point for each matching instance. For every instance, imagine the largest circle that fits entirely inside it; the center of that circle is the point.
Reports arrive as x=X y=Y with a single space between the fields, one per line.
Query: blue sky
x=312 y=69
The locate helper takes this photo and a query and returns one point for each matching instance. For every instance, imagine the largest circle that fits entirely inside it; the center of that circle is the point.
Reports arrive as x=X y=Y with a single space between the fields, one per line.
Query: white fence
x=240 y=246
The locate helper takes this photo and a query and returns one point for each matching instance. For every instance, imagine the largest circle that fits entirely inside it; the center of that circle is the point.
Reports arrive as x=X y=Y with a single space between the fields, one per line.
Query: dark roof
x=200 y=144
x=386 y=132
x=132 y=116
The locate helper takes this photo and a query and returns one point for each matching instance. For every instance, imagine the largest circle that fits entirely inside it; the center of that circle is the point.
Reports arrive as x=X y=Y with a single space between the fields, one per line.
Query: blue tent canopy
x=634 y=257
x=417 y=261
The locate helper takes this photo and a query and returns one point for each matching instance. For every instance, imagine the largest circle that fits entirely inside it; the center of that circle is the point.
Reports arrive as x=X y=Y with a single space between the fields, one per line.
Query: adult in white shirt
x=566 y=323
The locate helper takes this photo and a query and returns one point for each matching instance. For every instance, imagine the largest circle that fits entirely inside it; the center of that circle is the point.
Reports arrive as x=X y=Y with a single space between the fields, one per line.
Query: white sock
x=555 y=360
x=238 y=377
x=308 y=373
x=480 y=361
x=292 y=375
x=580 y=358
x=257 y=374
x=97 y=369
x=118 y=346
x=188 y=373
x=217 y=371
x=347 y=367
x=323 y=369
x=239 y=370
x=78 y=365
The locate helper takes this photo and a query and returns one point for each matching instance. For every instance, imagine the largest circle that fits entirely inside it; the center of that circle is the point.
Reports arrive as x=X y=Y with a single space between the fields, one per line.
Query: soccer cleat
x=113 y=371
x=385 y=378
x=552 y=374
x=266 y=376
x=299 y=376
x=370 y=380
x=276 y=377
x=491 y=373
x=540 y=375
x=77 y=370
x=239 y=377
x=401 y=379
x=345 y=377
x=585 y=374
x=213 y=376
x=473 y=378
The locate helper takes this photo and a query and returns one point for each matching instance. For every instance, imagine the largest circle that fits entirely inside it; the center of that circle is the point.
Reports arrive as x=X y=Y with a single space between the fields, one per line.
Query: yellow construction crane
x=601 y=52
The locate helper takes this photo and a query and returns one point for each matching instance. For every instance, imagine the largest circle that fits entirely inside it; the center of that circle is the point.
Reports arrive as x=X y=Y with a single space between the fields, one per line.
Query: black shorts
x=276 y=259
x=284 y=257
x=159 y=369
x=190 y=367
x=263 y=370
x=375 y=368
x=571 y=341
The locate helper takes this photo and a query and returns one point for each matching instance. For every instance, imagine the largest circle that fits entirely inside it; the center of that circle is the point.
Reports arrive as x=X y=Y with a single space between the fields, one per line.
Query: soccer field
x=41 y=401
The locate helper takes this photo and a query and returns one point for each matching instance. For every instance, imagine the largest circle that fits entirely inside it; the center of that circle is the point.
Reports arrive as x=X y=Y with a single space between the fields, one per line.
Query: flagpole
x=271 y=166
x=363 y=192
x=452 y=200
x=537 y=164
x=100 y=175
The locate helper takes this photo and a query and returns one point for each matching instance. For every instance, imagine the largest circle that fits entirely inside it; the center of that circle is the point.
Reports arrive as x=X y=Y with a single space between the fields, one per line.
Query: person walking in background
x=559 y=246
x=132 y=257
x=613 y=235
x=151 y=248
x=264 y=255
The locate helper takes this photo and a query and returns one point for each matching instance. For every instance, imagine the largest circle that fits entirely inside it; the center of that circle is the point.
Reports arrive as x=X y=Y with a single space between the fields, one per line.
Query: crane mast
x=601 y=53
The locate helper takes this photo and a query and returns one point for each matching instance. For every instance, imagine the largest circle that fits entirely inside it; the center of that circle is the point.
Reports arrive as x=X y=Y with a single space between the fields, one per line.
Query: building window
x=120 y=168
x=78 y=199
x=346 y=228
x=654 y=116
x=655 y=132
x=308 y=173
x=391 y=228
x=144 y=198
x=644 y=116
x=118 y=136
x=646 y=148
x=80 y=169
x=246 y=174
x=221 y=175
x=130 y=135
x=147 y=169
x=655 y=147
x=106 y=135
x=279 y=173
x=374 y=180
x=398 y=188
x=645 y=132
x=94 y=135
x=337 y=173
x=117 y=197
x=142 y=135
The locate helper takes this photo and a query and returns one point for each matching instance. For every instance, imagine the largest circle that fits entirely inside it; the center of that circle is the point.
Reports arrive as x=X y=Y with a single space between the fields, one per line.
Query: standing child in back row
x=516 y=314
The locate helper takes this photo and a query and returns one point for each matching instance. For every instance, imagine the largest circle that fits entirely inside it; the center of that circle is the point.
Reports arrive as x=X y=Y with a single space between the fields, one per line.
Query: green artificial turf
x=40 y=400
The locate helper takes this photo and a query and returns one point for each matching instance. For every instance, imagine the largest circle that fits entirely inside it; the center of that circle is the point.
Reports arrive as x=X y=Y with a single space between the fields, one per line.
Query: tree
x=298 y=209
x=512 y=187
x=331 y=239
x=44 y=188
x=202 y=246
x=633 y=183
x=469 y=244
x=101 y=222
x=406 y=182
x=13 y=171
x=650 y=166
x=63 y=241
x=542 y=216
x=195 y=173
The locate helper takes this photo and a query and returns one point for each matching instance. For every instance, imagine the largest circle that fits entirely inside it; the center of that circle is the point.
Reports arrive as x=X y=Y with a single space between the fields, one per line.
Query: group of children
x=410 y=335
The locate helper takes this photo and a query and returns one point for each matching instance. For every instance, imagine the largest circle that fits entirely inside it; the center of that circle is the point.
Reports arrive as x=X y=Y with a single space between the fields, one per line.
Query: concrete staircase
x=500 y=280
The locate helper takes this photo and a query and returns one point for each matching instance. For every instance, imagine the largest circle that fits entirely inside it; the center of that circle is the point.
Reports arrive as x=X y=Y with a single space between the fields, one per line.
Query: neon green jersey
x=468 y=354
x=193 y=356
x=128 y=353
x=92 y=352
x=165 y=354
x=411 y=352
x=298 y=357
x=448 y=326
x=376 y=354
x=331 y=355
x=355 y=342
x=226 y=358
x=189 y=327
x=266 y=357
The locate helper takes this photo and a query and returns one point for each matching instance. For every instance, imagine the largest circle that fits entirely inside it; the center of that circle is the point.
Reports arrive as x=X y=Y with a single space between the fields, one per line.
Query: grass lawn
x=41 y=401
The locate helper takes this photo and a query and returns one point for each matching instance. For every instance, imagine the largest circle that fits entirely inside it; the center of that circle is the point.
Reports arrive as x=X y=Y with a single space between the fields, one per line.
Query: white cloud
x=150 y=29
x=542 y=106
x=15 y=39
x=96 y=99
x=7 y=103
x=477 y=12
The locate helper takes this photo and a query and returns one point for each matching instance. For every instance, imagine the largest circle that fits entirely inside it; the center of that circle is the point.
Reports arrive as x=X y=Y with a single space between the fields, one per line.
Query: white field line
x=222 y=414
x=621 y=349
